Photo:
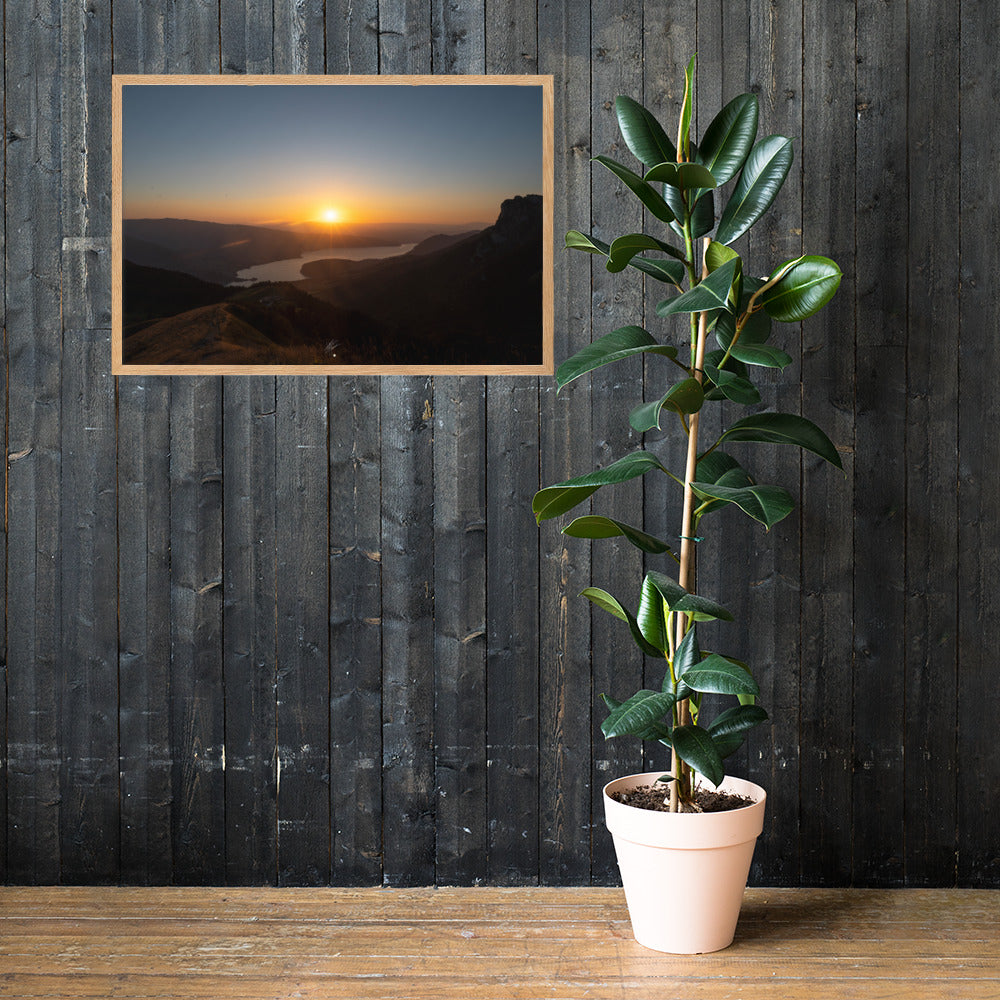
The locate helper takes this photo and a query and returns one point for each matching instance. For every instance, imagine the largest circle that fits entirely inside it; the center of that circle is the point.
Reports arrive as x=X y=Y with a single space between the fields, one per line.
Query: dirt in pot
x=657 y=798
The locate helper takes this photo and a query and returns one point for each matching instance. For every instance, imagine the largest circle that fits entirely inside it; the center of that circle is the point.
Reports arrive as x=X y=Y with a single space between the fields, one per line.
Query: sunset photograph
x=346 y=224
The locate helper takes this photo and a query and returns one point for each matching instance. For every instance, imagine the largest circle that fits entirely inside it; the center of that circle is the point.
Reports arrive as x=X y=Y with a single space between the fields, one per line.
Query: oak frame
x=120 y=367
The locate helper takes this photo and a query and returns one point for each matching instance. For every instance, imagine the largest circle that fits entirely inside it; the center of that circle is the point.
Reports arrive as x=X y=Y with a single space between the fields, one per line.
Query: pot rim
x=686 y=831
x=653 y=775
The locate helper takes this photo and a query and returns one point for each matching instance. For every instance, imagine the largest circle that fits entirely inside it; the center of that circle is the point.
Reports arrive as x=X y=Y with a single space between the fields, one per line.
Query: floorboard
x=238 y=944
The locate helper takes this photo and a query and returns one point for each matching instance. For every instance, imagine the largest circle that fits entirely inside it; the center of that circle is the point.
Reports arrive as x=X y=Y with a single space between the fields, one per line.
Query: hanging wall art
x=332 y=225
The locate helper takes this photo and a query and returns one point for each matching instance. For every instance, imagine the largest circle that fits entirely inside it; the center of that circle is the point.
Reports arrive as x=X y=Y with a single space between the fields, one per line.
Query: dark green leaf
x=555 y=500
x=714 y=466
x=593 y=526
x=688 y=652
x=784 y=428
x=640 y=716
x=739 y=390
x=737 y=720
x=695 y=747
x=763 y=355
x=734 y=479
x=669 y=271
x=727 y=745
x=604 y=600
x=575 y=240
x=729 y=138
x=718 y=675
x=646 y=194
x=763 y=174
x=683 y=397
x=712 y=293
x=732 y=365
x=687 y=655
x=756 y=330
x=674 y=197
x=718 y=254
x=624 y=248
x=651 y=617
x=678 y=599
x=703 y=216
x=608 y=603
x=643 y=134
x=767 y=504
x=624 y=342
x=686 y=176
x=803 y=290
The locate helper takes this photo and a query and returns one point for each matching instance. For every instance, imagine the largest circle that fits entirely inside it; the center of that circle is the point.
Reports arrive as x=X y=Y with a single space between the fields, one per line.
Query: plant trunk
x=680 y=787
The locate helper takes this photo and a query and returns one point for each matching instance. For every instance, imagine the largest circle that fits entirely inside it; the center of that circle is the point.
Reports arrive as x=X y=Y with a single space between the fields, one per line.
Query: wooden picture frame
x=458 y=299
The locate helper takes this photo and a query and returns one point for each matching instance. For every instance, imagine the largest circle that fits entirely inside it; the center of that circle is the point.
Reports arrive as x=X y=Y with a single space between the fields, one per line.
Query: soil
x=657 y=798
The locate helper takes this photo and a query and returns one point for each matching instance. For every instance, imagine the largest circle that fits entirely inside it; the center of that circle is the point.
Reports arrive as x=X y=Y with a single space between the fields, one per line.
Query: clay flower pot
x=684 y=873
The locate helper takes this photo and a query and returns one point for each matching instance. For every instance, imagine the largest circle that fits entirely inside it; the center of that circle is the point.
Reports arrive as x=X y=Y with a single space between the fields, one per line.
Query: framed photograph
x=332 y=225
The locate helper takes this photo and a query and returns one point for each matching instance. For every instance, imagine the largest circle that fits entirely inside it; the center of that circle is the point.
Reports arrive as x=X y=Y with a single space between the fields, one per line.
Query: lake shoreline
x=290 y=269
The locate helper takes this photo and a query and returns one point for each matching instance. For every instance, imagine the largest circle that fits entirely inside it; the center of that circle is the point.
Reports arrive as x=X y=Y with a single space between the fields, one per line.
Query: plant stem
x=686 y=572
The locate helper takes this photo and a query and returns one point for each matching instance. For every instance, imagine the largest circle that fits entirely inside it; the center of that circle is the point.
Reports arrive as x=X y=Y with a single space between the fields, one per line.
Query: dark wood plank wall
x=304 y=631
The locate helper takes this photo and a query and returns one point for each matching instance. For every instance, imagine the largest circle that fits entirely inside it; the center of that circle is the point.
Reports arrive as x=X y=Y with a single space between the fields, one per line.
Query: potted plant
x=685 y=866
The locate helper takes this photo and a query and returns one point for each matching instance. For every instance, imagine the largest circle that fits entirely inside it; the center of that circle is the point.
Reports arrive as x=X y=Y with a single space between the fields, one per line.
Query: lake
x=291 y=269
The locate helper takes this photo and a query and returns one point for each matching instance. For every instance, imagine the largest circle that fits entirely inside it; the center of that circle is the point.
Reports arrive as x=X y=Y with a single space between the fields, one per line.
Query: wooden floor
x=474 y=944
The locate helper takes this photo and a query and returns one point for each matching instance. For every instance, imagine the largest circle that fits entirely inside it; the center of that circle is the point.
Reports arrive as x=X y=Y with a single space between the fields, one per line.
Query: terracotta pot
x=684 y=873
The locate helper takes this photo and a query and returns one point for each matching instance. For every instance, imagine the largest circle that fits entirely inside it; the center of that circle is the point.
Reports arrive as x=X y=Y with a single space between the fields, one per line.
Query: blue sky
x=387 y=153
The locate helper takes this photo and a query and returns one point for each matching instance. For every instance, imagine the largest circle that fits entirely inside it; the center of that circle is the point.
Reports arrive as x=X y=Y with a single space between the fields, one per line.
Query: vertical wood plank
x=512 y=558
x=879 y=463
x=979 y=456
x=196 y=718
x=303 y=681
x=565 y=709
x=302 y=484
x=249 y=628
x=616 y=300
x=827 y=497
x=669 y=41
x=4 y=398
x=723 y=71
x=34 y=341
x=88 y=629
x=299 y=36
x=352 y=36
x=933 y=348
x=246 y=34
x=249 y=553
x=459 y=46
x=355 y=557
x=146 y=748
x=772 y=607
x=190 y=43
x=407 y=557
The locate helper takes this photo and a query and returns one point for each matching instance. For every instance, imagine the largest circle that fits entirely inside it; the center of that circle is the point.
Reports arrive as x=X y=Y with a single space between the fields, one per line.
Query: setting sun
x=330 y=215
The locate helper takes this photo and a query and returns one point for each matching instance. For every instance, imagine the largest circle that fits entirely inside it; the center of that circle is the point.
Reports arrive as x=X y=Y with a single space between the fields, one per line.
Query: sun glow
x=330 y=215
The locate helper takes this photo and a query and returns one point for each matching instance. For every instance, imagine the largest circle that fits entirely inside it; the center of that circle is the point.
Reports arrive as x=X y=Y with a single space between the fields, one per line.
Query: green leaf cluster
x=694 y=252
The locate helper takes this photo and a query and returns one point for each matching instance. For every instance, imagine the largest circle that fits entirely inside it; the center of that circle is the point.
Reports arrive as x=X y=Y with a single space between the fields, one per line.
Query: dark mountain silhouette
x=216 y=251
x=440 y=241
x=172 y=318
x=476 y=301
x=467 y=298
x=212 y=251
x=151 y=293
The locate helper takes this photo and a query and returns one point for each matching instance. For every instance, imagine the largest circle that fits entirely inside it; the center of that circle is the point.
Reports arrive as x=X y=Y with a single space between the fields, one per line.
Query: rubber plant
x=725 y=317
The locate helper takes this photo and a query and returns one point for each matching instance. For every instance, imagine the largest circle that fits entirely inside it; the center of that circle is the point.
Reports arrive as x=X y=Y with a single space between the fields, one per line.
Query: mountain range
x=216 y=251
x=455 y=298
